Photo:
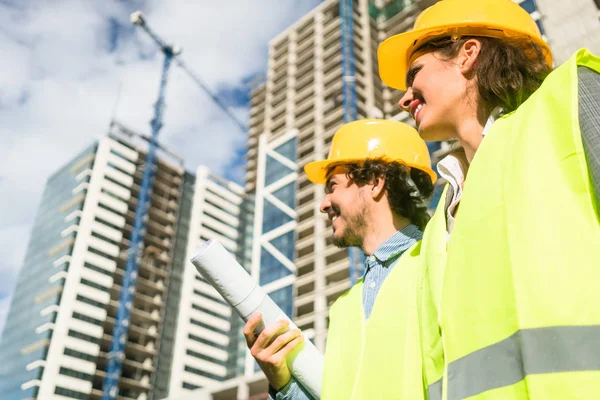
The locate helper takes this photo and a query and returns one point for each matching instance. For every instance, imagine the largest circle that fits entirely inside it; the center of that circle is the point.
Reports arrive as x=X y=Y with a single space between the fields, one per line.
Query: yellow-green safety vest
x=520 y=307
x=378 y=358
x=430 y=277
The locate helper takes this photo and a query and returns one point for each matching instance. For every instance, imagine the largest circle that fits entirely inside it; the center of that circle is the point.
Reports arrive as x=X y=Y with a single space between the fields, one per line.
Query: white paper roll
x=242 y=293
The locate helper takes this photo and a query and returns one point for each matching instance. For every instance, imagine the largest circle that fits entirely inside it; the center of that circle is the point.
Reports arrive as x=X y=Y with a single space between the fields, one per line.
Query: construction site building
x=61 y=318
x=207 y=331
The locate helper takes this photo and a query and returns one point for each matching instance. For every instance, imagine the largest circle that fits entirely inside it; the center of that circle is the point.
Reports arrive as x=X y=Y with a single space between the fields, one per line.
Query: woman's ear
x=467 y=56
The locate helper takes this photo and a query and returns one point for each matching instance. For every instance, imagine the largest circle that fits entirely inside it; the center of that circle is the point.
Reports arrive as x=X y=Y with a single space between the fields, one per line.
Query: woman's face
x=436 y=97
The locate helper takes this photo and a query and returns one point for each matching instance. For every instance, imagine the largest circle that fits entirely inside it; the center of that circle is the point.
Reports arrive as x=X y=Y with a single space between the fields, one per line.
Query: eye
x=411 y=75
x=329 y=187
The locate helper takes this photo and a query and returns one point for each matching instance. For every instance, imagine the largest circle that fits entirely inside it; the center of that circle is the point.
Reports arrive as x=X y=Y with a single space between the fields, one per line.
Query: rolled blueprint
x=242 y=293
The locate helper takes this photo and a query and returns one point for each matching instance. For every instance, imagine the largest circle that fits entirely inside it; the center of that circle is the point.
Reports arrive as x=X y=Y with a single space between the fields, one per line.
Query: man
x=376 y=177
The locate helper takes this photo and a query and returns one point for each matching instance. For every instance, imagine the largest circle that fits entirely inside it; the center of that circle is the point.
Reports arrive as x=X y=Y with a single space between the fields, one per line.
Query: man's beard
x=354 y=231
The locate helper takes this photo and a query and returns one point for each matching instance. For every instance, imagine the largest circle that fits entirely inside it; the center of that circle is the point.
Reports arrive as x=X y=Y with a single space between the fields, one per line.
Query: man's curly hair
x=407 y=188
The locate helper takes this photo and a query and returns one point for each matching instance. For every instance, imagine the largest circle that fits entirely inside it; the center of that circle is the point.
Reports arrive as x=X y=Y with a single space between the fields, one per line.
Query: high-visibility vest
x=378 y=358
x=430 y=277
x=520 y=308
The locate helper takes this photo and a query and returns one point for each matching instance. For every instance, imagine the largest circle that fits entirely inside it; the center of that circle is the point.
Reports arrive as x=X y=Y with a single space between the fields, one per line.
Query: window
x=75 y=374
x=113 y=195
x=112 y=210
x=91 y=302
x=73 y=394
x=100 y=253
x=208 y=296
x=113 y=166
x=86 y=318
x=189 y=386
x=79 y=354
x=197 y=371
x=83 y=336
x=217 y=206
x=208 y=342
x=209 y=312
x=97 y=269
x=106 y=239
x=94 y=285
x=116 y=153
x=212 y=328
x=105 y=222
x=529 y=6
x=271 y=268
x=116 y=182
x=204 y=357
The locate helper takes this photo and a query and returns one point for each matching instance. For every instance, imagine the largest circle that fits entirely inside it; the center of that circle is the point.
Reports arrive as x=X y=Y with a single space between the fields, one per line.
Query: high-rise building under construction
x=62 y=314
x=182 y=335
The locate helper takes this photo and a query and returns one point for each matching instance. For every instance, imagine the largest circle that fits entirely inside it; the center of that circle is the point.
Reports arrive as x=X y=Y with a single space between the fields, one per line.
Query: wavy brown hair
x=407 y=188
x=507 y=70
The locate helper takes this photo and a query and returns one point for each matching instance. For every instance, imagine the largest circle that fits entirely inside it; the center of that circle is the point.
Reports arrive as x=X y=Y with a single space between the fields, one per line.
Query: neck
x=380 y=231
x=469 y=131
x=470 y=135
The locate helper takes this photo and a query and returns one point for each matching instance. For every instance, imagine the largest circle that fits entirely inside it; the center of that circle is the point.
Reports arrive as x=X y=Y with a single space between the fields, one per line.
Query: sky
x=70 y=66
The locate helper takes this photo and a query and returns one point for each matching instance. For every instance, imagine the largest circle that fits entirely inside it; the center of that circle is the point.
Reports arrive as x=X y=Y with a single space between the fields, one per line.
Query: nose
x=406 y=99
x=325 y=205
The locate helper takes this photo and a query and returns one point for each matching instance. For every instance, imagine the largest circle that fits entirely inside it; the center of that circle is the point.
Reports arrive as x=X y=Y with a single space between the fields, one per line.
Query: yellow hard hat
x=488 y=18
x=369 y=139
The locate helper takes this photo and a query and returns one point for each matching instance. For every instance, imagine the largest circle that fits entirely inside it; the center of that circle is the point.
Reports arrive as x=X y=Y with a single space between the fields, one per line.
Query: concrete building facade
x=570 y=26
x=61 y=319
x=182 y=334
x=206 y=337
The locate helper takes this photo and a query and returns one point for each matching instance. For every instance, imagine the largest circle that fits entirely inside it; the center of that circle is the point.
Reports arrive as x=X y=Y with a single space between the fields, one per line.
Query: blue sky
x=65 y=62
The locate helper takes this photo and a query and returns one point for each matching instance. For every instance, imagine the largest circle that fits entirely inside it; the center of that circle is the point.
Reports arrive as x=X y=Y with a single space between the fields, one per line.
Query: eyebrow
x=412 y=72
x=327 y=184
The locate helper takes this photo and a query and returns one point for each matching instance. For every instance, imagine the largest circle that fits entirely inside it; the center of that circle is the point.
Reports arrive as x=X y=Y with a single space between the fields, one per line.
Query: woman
x=509 y=310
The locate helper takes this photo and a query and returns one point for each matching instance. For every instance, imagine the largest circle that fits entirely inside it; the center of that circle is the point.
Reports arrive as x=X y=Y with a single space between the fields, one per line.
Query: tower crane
x=116 y=355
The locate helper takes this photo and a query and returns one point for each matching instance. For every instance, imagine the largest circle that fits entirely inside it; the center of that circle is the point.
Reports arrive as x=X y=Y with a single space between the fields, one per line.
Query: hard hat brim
x=316 y=171
x=392 y=56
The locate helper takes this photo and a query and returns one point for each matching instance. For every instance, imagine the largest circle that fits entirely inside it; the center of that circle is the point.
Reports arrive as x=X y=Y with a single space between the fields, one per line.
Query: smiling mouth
x=415 y=109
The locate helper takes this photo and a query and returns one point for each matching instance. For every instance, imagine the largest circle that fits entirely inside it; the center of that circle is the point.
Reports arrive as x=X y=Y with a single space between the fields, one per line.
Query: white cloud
x=61 y=70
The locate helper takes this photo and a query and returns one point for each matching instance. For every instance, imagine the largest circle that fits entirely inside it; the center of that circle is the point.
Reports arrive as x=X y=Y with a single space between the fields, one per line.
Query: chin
x=337 y=236
x=431 y=134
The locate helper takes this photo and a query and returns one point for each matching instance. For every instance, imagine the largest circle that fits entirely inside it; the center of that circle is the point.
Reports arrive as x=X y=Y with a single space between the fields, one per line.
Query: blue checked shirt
x=377 y=267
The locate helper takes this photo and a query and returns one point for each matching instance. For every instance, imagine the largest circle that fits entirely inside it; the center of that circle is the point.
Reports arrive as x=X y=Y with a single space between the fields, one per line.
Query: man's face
x=346 y=206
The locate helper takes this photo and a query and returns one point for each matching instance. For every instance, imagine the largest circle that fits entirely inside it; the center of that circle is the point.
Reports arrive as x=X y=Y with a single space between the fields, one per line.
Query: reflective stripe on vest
x=435 y=390
x=378 y=358
x=529 y=351
x=519 y=310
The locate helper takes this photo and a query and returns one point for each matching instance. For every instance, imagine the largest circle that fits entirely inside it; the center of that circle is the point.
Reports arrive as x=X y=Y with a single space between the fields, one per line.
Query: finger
x=266 y=336
x=282 y=354
x=282 y=340
x=249 y=328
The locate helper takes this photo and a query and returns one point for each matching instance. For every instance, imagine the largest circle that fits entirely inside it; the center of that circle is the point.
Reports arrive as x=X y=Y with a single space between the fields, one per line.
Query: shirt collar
x=496 y=113
x=451 y=168
x=398 y=243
